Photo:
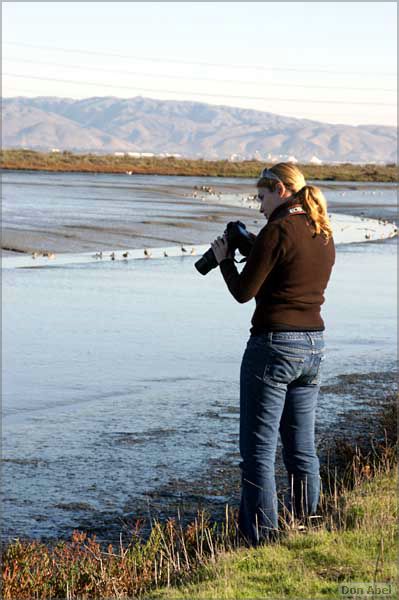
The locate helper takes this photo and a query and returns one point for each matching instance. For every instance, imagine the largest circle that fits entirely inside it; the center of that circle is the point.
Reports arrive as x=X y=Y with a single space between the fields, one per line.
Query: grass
x=314 y=564
x=95 y=163
x=353 y=539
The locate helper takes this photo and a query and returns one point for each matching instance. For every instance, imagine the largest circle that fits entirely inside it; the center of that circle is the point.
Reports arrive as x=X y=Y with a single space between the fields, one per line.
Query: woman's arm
x=265 y=253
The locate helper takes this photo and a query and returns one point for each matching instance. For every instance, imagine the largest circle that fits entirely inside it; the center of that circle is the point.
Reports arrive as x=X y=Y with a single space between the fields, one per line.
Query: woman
x=286 y=272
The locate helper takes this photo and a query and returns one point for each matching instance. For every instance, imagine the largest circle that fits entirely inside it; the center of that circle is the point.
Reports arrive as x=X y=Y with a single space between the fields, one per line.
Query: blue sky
x=330 y=61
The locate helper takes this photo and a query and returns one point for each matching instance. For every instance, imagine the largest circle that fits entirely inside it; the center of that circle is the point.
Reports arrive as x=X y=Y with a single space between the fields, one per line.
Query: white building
x=315 y=161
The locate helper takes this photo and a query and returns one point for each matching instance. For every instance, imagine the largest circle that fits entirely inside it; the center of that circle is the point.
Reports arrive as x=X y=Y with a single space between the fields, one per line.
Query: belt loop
x=311 y=340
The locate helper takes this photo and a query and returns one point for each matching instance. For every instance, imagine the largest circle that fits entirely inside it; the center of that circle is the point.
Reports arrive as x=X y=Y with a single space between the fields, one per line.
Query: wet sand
x=193 y=217
x=201 y=224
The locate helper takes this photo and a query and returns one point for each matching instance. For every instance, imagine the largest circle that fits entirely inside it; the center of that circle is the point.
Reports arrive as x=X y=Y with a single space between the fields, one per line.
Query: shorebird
x=98 y=255
x=367 y=236
x=112 y=256
x=35 y=254
x=165 y=253
x=192 y=251
x=147 y=253
x=129 y=172
x=183 y=249
x=49 y=254
x=125 y=254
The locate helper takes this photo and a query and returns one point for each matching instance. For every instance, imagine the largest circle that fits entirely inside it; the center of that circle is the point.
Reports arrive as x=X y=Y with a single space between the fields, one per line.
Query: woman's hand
x=220 y=249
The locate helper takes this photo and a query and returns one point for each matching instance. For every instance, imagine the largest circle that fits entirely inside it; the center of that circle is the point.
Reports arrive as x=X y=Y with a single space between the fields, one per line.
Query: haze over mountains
x=191 y=129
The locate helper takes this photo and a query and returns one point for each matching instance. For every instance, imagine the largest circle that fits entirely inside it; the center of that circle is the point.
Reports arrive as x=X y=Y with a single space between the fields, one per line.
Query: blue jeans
x=279 y=386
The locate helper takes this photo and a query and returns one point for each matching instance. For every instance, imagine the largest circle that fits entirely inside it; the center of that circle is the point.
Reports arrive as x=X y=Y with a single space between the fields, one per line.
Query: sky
x=329 y=61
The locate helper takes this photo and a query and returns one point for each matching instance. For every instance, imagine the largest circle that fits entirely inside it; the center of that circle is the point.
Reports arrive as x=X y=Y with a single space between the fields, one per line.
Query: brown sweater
x=286 y=272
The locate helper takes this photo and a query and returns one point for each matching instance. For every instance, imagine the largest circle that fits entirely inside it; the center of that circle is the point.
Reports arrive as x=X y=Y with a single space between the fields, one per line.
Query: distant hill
x=191 y=129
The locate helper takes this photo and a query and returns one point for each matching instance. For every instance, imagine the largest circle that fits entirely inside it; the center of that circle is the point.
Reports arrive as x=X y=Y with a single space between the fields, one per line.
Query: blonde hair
x=310 y=196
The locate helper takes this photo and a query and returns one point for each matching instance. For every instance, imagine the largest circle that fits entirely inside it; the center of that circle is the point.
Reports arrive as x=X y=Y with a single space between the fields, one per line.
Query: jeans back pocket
x=283 y=367
x=315 y=370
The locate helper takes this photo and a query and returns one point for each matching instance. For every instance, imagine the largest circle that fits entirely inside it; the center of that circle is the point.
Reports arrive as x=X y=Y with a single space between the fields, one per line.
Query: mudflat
x=72 y=213
x=177 y=215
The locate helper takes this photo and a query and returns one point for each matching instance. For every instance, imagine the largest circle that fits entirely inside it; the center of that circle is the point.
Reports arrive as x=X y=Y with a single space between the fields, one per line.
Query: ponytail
x=315 y=206
x=310 y=196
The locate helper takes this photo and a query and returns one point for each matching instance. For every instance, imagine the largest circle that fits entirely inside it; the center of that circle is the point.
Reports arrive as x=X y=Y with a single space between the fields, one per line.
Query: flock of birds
x=208 y=190
x=50 y=255
x=100 y=255
x=146 y=252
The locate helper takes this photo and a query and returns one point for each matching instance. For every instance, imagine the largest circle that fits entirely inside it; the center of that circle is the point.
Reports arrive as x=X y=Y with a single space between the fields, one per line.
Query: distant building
x=315 y=161
x=119 y=154
x=151 y=154
x=57 y=150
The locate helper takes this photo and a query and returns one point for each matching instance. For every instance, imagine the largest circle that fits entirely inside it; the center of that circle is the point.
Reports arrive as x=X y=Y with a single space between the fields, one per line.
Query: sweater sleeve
x=265 y=253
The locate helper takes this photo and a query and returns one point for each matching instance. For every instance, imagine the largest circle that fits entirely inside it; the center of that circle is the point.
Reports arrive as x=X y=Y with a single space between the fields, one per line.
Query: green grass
x=311 y=565
x=108 y=163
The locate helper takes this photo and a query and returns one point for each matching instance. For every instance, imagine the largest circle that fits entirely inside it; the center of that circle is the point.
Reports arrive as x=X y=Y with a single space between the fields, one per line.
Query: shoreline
x=242 y=184
x=207 y=559
x=326 y=182
x=219 y=483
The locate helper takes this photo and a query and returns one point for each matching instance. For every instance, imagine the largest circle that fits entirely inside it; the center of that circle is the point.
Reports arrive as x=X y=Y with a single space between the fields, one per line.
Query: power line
x=204 y=94
x=199 y=63
x=183 y=78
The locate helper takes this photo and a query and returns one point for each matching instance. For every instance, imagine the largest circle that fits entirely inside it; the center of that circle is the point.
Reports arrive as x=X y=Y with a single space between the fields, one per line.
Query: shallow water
x=119 y=377
x=112 y=371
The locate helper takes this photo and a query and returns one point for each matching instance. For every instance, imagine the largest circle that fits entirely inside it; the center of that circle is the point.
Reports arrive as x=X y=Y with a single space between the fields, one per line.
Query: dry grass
x=94 y=163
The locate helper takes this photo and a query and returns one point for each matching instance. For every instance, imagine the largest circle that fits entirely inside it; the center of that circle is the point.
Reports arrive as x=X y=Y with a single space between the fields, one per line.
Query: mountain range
x=190 y=129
